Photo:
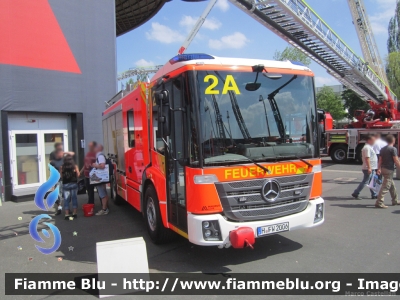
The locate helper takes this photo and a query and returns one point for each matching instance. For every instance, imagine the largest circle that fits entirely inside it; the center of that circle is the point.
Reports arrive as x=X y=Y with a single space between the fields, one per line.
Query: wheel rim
x=151 y=214
x=340 y=154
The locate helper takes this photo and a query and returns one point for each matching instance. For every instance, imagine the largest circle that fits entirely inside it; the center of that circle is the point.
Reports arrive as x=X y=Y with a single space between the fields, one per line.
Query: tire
x=158 y=233
x=118 y=200
x=339 y=154
x=112 y=189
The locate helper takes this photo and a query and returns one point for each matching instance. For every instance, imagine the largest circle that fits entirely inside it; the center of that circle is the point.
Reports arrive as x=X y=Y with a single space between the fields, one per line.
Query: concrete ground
x=356 y=237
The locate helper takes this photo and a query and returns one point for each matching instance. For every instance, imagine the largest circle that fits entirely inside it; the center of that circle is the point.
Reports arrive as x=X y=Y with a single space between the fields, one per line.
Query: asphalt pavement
x=356 y=237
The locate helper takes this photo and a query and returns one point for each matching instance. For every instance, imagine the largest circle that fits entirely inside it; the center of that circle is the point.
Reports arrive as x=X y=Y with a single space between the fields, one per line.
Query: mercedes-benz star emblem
x=270 y=190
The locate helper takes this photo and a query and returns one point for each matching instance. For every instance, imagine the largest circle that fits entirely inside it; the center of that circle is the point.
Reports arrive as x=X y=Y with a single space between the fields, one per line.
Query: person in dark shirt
x=90 y=159
x=59 y=147
x=57 y=162
x=69 y=175
x=387 y=159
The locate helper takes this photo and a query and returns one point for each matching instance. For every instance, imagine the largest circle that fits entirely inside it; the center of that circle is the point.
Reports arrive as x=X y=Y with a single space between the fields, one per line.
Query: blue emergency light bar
x=187 y=57
x=297 y=63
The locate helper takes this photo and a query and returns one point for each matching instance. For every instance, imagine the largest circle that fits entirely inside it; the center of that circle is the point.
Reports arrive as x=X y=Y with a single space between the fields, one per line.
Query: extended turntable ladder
x=298 y=24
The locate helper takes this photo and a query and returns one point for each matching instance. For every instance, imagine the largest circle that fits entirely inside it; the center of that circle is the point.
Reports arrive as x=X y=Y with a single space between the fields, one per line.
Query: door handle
x=130 y=169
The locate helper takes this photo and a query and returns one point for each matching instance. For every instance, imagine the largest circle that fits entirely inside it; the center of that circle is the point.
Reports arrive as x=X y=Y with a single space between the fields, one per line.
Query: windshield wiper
x=296 y=156
x=266 y=170
x=275 y=108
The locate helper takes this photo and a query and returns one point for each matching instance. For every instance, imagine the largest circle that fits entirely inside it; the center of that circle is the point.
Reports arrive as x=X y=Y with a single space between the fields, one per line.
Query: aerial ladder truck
x=298 y=24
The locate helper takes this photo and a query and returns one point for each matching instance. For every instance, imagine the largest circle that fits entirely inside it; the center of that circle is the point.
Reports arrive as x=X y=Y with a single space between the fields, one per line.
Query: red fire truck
x=219 y=150
x=346 y=144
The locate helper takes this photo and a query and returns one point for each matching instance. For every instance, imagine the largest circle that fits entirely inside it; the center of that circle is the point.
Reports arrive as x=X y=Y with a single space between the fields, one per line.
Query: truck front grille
x=243 y=200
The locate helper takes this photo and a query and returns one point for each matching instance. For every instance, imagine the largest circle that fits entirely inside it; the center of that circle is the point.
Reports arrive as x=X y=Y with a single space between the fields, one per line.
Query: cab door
x=176 y=192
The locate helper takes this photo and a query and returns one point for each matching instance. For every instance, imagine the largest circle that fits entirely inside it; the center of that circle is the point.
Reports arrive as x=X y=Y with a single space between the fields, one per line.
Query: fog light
x=319 y=213
x=207 y=233
x=211 y=230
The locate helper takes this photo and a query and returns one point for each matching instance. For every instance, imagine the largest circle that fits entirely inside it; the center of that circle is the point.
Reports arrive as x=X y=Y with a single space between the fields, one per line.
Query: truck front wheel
x=339 y=154
x=158 y=233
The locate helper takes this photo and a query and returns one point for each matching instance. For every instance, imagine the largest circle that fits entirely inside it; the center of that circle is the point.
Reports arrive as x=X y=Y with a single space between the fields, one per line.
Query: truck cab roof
x=198 y=60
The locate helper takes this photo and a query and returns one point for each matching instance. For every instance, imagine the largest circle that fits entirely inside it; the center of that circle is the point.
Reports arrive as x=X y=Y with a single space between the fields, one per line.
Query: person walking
x=388 y=158
x=369 y=166
x=379 y=144
x=90 y=159
x=101 y=188
x=69 y=176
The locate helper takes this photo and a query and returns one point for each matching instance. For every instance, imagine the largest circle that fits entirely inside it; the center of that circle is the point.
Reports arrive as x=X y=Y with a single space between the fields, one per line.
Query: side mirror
x=164 y=118
x=253 y=86
x=163 y=97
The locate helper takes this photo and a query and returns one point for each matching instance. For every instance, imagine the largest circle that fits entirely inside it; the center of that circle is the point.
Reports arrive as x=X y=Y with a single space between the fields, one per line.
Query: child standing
x=69 y=175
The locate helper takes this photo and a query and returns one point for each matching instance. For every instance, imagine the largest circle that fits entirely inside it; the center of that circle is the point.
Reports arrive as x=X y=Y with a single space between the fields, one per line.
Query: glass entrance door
x=26 y=161
x=30 y=155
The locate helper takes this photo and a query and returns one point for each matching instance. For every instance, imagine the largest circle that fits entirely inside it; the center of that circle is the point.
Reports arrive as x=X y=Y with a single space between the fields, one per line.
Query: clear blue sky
x=230 y=32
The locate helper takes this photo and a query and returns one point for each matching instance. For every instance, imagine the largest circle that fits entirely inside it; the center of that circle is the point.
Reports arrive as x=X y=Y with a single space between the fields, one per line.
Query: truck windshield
x=276 y=121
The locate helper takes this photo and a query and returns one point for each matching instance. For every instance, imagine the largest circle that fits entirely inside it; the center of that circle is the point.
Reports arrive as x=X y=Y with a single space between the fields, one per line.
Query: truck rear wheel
x=118 y=200
x=339 y=154
x=158 y=233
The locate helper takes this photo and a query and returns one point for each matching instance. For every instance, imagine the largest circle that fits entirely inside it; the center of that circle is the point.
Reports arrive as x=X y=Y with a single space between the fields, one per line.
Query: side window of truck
x=131 y=129
x=158 y=141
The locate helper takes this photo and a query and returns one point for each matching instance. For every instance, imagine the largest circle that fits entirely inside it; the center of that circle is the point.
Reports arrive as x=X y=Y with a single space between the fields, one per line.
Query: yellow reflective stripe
x=178 y=231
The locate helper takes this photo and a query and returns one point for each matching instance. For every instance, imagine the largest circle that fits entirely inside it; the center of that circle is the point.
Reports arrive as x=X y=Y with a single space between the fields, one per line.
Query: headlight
x=205 y=179
x=319 y=213
x=317 y=168
x=211 y=231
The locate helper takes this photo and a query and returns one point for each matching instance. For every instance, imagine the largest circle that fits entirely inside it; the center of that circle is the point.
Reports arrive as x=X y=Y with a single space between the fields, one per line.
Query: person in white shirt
x=379 y=144
x=369 y=166
x=101 y=188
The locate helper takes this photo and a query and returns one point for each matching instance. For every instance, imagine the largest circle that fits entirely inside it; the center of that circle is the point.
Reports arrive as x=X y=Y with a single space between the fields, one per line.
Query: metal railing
x=138 y=72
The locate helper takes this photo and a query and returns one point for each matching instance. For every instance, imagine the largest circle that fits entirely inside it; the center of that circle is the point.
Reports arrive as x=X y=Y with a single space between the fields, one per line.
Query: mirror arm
x=167 y=147
x=165 y=143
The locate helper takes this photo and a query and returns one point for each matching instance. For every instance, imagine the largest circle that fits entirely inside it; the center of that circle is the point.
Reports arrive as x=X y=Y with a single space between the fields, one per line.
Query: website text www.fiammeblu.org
x=205 y=284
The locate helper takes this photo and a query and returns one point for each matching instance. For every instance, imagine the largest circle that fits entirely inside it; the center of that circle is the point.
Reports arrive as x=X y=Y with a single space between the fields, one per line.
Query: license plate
x=264 y=230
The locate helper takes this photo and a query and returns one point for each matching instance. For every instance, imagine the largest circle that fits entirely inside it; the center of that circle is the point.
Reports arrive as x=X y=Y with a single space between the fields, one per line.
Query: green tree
x=130 y=81
x=353 y=102
x=293 y=54
x=393 y=72
x=331 y=102
x=394 y=31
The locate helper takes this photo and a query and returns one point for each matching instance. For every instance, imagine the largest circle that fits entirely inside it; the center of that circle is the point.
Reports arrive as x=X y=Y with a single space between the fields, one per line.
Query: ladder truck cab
x=219 y=150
